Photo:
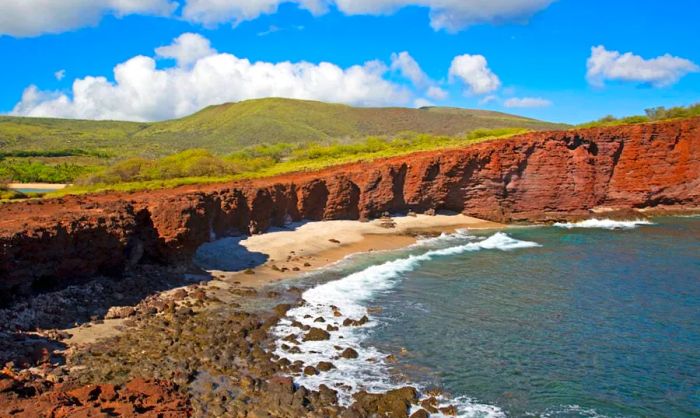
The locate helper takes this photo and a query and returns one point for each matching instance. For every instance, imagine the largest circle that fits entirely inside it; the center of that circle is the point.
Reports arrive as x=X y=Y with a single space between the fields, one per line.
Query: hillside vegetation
x=227 y=128
x=196 y=166
x=653 y=114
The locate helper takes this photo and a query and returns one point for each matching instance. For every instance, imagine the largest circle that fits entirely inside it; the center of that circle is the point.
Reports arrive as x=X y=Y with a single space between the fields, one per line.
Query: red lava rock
x=538 y=176
x=148 y=398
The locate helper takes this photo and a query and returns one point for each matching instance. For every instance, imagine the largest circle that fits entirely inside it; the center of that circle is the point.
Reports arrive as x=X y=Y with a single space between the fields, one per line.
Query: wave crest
x=603 y=224
x=345 y=298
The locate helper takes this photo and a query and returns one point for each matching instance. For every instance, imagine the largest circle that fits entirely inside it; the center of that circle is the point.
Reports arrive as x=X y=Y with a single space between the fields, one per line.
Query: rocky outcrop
x=533 y=177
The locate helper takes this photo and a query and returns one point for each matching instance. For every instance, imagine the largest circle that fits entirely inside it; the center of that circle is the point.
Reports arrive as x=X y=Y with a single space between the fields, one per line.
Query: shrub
x=190 y=163
x=23 y=171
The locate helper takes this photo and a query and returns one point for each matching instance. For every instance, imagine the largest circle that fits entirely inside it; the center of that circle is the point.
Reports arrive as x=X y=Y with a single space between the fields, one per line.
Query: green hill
x=227 y=128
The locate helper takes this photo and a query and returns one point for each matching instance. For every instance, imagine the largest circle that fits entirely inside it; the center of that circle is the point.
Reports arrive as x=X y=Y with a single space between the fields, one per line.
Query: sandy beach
x=286 y=253
x=39 y=186
x=283 y=253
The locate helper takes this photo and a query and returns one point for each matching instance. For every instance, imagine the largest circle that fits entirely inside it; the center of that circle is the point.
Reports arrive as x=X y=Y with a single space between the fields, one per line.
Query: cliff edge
x=533 y=177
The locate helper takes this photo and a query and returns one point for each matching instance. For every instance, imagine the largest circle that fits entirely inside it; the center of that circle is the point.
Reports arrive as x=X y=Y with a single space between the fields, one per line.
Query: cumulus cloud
x=661 y=71
x=452 y=15
x=409 y=68
x=527 y=102
x=142 y=92
x=60 y=74
x=214 y=12
x=474 y=72
x=34 y=17
x=436 y=93
x=186 y=49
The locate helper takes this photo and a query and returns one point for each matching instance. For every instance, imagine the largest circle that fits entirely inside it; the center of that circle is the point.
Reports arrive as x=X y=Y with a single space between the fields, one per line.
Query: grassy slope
x=226 y=128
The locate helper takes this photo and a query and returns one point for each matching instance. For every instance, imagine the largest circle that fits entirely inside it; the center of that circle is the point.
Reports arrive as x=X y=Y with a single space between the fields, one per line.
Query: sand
x=284 y=253
x=40 y=186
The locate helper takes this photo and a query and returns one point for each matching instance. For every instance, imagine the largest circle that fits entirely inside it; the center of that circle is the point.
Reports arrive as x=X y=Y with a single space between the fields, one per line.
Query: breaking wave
x=333 y=302
x=604 y=224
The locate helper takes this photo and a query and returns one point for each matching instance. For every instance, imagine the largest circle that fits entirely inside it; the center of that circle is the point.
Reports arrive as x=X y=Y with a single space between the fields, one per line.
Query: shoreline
x=286 y=253
x=43 y=186
x=293 y=252
x=127 y=352
x=232 y=317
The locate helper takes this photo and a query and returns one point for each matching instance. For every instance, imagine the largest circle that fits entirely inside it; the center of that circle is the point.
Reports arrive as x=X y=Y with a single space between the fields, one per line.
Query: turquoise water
x=545 y=321
x=593 y=322
x=29 y=190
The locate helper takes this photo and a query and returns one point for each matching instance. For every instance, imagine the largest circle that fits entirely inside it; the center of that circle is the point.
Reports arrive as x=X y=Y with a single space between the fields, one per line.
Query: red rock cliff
x=533 y=177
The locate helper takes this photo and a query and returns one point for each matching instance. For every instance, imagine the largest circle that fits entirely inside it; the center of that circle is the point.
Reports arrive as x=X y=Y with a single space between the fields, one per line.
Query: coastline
x=234 y=316
x=125 y=351
x=305 y=247
x=291 y=252
x=42 y=186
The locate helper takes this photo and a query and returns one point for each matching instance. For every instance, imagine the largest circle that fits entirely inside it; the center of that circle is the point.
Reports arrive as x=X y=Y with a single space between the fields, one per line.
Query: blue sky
x=525 y=57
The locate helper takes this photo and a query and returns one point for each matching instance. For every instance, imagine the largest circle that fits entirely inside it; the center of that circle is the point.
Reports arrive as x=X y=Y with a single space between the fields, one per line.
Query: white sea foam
x=570 y=410
x=350 y=296
x=604 y=224
x=460 y=234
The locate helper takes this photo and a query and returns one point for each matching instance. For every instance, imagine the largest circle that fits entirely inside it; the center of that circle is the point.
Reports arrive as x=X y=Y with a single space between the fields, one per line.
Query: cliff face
x=533 y=177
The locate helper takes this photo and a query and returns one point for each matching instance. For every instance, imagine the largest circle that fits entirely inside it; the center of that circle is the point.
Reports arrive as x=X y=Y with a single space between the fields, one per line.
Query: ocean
x=595 y=319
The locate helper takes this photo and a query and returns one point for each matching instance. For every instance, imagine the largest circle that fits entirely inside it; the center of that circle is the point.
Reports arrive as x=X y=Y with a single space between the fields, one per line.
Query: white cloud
x=527 y=102
x=142 y=92
x=34 y=17
x=409 y=68
x=421 y=102
x=474 y=71
x=452 y=15
x=60 y=74
x=187 y=49
x=214 y=12
x=488 y=99
x=661 y=71
x=437 y=93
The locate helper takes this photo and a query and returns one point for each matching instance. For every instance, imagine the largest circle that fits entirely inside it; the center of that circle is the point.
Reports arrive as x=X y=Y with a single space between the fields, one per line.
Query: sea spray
x=603 y=224
x=334 y=302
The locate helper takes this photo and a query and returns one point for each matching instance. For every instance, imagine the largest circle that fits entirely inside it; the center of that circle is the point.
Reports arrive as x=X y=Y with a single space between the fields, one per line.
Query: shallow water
x=595 y=319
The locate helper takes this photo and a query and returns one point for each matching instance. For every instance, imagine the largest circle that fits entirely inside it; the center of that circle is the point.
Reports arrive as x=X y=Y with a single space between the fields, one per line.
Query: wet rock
x=331 y=328
x=394 y=403
x=449 y=411
x=421 y=413
x=310 y=371
x=430 y=405
x=349 y=353
x=355 y=323
x=325 y=366
x=317 y=334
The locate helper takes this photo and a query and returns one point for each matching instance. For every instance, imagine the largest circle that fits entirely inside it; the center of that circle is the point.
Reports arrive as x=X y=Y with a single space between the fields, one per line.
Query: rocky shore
x=173 y=342
x=103 y=314
x=536 y=177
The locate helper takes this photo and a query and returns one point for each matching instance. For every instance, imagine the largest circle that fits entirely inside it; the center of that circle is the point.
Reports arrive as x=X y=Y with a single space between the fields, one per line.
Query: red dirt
x=29 y=397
